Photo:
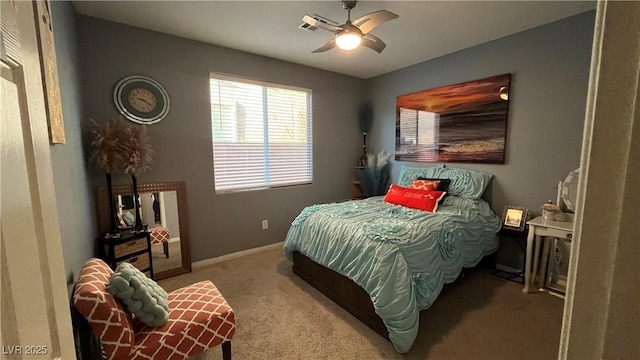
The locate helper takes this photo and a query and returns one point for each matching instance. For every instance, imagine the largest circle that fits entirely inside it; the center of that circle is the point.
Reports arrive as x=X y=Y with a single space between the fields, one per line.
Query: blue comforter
x=400 y=256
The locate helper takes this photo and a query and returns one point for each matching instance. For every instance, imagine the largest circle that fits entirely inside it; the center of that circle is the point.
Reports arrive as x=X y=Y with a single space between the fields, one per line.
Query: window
x=261 y=134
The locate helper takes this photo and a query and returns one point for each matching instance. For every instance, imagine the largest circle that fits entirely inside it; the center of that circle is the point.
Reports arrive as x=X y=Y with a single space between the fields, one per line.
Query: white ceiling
x=425 y=29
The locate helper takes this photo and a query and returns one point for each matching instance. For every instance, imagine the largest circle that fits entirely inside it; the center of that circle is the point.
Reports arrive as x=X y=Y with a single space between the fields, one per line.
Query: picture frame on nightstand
x=514 y=217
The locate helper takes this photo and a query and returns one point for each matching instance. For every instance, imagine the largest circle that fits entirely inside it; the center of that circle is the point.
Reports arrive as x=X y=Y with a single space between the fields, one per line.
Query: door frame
x=34 y=284
x=601 y=313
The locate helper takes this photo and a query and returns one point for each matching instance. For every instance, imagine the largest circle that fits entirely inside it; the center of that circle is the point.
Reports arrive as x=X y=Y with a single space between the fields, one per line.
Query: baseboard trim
x=203 y=263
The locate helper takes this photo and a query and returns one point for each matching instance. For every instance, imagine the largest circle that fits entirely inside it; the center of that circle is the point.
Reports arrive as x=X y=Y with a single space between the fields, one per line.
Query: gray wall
x=219 y=224
x=72 y=182
x=550 y=67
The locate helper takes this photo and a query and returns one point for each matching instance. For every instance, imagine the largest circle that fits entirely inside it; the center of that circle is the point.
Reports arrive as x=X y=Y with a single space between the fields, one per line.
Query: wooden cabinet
x=131 y=247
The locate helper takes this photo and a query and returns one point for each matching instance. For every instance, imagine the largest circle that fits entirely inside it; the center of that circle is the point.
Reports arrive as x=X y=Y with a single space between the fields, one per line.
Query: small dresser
x=132 y=247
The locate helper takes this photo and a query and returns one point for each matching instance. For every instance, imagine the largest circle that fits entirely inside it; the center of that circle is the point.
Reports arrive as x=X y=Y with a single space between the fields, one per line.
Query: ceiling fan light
x=348 y=40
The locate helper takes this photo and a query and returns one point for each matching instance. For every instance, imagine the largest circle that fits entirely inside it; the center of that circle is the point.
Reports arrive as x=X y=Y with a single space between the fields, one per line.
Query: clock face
x=141 y=99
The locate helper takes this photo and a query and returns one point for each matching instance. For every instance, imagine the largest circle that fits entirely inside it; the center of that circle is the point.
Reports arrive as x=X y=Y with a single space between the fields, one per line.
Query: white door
x=36 y=321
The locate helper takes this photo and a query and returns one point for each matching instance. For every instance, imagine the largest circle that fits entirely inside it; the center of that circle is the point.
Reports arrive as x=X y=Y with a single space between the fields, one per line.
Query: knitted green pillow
x=143 y=297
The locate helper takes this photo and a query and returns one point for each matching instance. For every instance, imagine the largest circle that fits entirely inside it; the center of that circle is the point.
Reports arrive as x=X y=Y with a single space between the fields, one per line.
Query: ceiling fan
x=351 y=34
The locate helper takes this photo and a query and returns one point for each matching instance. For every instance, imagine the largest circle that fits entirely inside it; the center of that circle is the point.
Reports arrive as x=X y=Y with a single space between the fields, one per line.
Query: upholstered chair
x=199 y=319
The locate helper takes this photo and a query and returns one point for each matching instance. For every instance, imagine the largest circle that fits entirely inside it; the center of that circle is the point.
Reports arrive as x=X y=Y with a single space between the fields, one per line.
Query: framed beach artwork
x=464 y=122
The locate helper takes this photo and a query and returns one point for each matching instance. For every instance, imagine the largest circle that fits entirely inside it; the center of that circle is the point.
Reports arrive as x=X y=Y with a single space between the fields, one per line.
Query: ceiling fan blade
x=329 y=45
x=373 y=42
x=317 y=23
x=367 y=22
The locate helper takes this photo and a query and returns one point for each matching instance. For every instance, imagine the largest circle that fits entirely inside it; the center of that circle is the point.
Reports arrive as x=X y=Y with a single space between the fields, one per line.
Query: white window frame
x=266 y=185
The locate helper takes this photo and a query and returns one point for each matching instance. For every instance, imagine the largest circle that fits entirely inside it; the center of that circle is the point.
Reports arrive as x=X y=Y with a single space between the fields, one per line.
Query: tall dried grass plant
x=365 y=119
x=375 y=177
x=107 y=150
x=137 y=159
x=108 y=145
x=116 y=144
x=139 y=154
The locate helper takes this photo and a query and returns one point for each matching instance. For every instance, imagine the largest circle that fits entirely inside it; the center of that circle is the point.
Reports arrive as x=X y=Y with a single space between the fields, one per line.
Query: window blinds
x=261 y=134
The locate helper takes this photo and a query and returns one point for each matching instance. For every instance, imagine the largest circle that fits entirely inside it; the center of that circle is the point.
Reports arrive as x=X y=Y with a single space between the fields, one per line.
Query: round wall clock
x=141 y=99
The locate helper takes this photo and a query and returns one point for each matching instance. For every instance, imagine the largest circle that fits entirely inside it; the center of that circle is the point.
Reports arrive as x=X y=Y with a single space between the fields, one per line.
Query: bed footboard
x=341 y=290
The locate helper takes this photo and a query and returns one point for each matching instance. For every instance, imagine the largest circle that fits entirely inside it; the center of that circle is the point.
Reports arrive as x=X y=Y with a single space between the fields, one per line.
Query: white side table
x=538 y=229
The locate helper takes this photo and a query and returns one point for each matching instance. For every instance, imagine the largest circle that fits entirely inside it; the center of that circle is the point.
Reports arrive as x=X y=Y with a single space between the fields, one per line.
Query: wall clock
x=141 y=99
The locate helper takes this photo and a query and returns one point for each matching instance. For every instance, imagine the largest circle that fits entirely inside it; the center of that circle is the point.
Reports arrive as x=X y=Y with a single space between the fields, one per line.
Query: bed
x=385 y=263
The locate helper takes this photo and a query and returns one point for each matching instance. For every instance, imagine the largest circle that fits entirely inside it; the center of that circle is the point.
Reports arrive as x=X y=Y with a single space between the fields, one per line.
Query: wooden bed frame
x=349 y=295
x=342 y=290
x=353 y=298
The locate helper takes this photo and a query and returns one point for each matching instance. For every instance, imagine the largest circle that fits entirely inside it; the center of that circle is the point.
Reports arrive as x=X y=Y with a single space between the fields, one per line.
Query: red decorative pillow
x=415 y=199
x=425 y=185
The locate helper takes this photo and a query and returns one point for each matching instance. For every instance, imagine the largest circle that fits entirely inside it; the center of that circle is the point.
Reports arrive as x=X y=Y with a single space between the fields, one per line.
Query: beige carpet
x=161 y=262
x=279 y=316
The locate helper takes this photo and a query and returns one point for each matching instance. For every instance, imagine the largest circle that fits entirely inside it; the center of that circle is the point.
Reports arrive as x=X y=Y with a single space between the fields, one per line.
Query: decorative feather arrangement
x=118 y=143
x=365 y=117
x=138 y=154
x=107 y=144
x=137 y=159
x=108 y=147
x=376 y=174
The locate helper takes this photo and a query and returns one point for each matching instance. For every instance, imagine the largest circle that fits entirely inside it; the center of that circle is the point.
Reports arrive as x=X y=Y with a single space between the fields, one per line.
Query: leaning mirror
x=569 y=191
x=163 y=209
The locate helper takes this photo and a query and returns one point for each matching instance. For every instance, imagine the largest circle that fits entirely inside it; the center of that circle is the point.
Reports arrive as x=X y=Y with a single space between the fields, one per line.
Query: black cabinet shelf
x=132 y=247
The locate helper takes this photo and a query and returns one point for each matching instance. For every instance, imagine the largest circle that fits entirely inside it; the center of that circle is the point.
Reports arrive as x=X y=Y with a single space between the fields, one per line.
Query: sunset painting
x=464 y=122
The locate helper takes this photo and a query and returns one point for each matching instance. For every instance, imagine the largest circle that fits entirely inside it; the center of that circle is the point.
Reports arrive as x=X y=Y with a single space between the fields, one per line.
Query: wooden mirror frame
x=181 y=194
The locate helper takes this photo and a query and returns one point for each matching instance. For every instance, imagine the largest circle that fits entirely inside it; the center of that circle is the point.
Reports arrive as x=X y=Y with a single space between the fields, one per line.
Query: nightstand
x=538 y=230
x=132 y=247
x=519 y=237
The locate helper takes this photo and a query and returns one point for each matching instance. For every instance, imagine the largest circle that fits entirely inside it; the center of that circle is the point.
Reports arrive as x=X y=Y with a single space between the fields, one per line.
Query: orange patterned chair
x=199 y=319
x=161 y=235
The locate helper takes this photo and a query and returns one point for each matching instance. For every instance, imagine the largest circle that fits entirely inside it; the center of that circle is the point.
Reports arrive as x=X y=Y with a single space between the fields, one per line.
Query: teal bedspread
x=400 y=256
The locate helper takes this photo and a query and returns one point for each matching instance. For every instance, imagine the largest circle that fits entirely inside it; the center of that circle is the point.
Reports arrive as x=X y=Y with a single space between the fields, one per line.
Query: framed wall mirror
x=163 y=208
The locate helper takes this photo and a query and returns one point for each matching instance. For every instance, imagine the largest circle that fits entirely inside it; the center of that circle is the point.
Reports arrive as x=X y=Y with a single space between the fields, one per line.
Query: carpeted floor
x=279 y=316
x=161 y=262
